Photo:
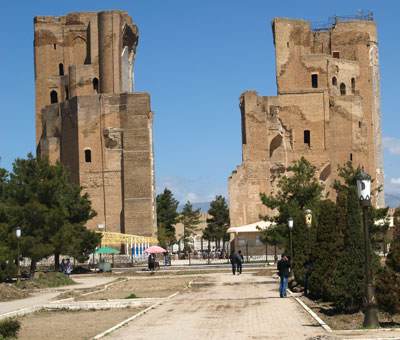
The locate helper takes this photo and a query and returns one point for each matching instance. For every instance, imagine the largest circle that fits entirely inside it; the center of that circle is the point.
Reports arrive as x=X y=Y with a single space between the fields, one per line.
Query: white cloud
x=395 y=180
x=391 y=144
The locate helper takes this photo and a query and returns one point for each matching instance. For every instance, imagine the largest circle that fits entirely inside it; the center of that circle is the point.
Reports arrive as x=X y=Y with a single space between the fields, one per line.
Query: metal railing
x=326 y=26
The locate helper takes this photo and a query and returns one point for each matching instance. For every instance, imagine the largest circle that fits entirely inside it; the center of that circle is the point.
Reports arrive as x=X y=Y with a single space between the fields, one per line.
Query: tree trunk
x=275 y=256
x=32 y=270
x=57 y=262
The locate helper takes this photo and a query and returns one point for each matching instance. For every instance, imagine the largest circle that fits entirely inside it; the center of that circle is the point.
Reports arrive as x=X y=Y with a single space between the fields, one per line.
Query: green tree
x=47 y=208
x=274 y=236
x=388 y=282
x=295 y=193
x=219 y=222
x=167 y=217
x=348 y=278
x=328 y=245
x=190 y=219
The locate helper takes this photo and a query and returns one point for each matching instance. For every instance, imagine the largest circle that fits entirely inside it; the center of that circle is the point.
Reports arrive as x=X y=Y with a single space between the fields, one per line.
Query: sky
x=195 y=58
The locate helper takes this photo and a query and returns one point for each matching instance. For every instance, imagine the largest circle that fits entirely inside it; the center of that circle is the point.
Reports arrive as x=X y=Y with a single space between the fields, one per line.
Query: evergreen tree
x=219 y=222
x=190 y=219
x=299 y=191
x=47 y=207
x=328 y=245
x=274 y=236
x=348 y=279
x=167 y=217
x=388 y=282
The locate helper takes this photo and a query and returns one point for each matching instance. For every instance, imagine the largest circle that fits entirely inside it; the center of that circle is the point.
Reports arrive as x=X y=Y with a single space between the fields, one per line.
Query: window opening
x=53 y=97
x=336 y=55
x=96 y=84
x=307 y=137
x=353 y=85
x=88 y=156
x=342 y=89
x=66 y=93
x=55 y=46
x=61 y=69
x=314 y=80
x=351 y=156
x=334 y=81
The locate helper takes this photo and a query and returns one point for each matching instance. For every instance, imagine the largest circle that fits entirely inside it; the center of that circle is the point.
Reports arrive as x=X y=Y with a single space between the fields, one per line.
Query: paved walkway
x=44 y=298
x=234 y=307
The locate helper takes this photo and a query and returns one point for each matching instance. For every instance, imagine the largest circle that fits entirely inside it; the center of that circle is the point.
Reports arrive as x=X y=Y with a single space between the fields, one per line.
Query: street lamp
x=364 y=194
x=290 y=225
x=308 y=214
x=18 y=234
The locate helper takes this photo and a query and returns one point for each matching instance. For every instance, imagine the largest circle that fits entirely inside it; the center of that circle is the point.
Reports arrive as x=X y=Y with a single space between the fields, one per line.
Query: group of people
x=284 y=273
x=236 y=262
x=66 y=267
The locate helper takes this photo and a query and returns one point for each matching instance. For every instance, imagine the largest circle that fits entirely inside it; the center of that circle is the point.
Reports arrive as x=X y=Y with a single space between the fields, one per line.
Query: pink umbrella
x=155 y=250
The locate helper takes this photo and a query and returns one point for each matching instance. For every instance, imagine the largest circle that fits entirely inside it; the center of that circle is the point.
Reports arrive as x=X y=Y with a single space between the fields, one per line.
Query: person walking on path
x=62 y=266
x=151 y=262
x=240 y=260
x=283 y=272
x=68 y=268
x=233 y=259
x=308 y=265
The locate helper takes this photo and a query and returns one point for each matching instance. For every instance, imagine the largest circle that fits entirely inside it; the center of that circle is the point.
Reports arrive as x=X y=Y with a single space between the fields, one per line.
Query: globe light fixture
x=308 y=215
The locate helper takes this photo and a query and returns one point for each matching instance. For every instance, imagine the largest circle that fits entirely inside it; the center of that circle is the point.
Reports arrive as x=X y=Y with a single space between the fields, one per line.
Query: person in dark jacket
x=233 y=259
x=283 y=272
x=240 y=259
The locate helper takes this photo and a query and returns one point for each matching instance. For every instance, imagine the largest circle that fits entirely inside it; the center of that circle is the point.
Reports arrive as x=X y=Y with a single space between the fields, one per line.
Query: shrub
x=9 y=328
x=132 y=296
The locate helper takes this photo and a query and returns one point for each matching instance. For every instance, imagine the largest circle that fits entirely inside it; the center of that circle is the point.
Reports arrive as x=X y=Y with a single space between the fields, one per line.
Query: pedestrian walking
x=283 y=272
x=308 y=265
x=151 y=262
x=68 y=268
x=62 y=265
x=240 y=260
x=233 y=259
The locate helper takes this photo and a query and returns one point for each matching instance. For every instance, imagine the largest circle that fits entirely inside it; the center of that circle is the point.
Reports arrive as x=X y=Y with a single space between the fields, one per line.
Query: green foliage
x=190 y=219
x=46 y=280
x=328 y=246
x=167 y=217
x=388 y=282
x=219 y=222
x=274 y=236
x=9 y=328
x=51 y=211
x=296 y=192
x=132 y=296
x=348 y=279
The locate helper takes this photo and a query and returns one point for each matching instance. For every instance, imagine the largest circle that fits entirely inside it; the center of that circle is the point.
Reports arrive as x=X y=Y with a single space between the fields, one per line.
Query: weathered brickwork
x=89 y=117
x=327 y=109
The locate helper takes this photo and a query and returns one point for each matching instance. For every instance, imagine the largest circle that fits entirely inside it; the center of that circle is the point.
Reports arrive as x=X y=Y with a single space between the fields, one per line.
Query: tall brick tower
x=89 y=117
x=327 y=109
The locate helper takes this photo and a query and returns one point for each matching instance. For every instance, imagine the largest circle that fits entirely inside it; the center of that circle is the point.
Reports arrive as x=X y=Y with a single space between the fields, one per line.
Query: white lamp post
x=364 y=195
x=290 y=225
x=18 y=235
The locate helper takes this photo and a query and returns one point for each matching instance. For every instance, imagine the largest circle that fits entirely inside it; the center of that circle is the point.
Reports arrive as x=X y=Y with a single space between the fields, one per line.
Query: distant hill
x=392 y=201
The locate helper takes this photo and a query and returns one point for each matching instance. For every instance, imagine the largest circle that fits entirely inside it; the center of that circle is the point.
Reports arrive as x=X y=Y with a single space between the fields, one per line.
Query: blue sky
x=195 y=58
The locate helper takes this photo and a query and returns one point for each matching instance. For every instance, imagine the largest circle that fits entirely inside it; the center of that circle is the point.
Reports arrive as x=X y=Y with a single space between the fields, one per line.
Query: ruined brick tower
x=88 y=116
x=327 y=110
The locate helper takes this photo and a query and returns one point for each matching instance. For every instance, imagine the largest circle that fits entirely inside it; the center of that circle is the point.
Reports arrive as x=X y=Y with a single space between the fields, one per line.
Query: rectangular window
x=336 y=55
x=242 y=241
x=351 y=156
x=314 y=80
x=258 y=241
x=307 y=137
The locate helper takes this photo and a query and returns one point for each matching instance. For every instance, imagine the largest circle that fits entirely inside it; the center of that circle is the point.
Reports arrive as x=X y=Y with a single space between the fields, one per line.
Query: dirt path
x=233 y=307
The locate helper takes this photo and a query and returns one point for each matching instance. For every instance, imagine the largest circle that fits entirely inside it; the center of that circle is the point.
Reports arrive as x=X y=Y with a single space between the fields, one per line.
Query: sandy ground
x=143 y=287
x=72 y=325
x=232 y=307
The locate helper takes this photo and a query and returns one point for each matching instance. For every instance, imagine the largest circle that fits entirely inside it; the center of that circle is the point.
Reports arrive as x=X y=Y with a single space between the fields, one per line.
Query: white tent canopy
x=250 y=228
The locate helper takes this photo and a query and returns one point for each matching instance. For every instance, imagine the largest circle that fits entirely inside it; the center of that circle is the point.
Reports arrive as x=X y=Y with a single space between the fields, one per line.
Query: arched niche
x=276 y=149
x=325 y=173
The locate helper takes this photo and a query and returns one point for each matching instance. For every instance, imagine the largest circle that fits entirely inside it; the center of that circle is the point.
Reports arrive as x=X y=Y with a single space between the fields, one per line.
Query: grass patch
x=10 y=292
x=263 y=272
x=132 y=296
x=9 y=328
x=47 y=280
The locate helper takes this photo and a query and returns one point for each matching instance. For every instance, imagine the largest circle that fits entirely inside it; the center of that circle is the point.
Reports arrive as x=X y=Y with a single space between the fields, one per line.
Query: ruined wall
x=96 y=124
x=327 y=110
